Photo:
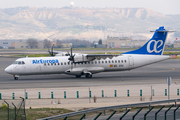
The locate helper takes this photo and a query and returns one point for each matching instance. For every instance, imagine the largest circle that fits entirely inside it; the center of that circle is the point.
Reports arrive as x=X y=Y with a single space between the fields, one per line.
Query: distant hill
x=81 y=23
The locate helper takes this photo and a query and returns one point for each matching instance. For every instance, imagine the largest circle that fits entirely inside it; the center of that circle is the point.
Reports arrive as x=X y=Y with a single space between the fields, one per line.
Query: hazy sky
x=161 y=6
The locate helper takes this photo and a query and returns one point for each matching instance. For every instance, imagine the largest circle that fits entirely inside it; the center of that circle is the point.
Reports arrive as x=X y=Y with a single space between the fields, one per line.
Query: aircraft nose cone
x=8 y=70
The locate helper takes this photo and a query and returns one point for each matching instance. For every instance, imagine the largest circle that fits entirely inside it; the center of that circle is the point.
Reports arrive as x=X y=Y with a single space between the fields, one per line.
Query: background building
x=23 y=44
x=125 y=42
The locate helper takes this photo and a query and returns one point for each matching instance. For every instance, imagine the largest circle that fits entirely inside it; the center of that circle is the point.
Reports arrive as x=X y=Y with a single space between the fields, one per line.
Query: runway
x=151 y=74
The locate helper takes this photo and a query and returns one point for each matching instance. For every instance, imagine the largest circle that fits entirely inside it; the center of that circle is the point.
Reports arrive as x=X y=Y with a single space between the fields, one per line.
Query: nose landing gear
x=16 y=77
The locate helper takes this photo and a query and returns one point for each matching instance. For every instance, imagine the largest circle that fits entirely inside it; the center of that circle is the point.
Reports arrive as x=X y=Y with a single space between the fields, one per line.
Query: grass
x=33 y=114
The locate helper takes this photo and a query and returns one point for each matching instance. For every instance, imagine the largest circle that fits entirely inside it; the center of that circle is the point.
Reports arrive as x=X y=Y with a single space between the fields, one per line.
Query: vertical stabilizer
x=155 y=46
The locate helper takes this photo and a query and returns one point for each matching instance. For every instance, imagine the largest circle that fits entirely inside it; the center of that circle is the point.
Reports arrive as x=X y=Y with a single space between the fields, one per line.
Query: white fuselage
x=62 y=64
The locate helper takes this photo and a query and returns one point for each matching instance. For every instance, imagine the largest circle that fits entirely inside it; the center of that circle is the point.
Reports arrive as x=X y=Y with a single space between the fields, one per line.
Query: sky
x=161 y=6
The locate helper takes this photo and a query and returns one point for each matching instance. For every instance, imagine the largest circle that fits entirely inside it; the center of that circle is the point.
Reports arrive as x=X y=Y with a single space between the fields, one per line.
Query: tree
x=58 y=43
x=47 y=43
x=32 y=43
x=100 y=42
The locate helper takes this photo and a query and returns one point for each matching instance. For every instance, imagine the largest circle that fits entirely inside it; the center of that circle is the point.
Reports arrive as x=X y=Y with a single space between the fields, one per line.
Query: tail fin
x=155 y=46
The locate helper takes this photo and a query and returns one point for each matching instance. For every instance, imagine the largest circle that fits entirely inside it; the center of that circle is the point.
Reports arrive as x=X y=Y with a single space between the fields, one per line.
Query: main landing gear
x=88 y=75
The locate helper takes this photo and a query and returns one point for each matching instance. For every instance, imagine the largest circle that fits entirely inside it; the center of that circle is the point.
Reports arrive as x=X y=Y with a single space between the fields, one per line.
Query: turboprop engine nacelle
x=81 y=58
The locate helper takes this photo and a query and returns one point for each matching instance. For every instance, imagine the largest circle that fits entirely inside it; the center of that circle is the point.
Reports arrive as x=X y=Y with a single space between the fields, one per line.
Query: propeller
x=51 y=52
x=71 y=58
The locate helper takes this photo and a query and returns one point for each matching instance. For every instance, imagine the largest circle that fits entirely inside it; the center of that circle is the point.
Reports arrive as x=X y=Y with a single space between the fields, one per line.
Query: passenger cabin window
x=88 y=62
x=122 y=61
x=58 y=63
x=109 y=61
x=61 y=63
x=44 y=64
x=112 y=61
x=102 y=61
x=118 y=61
x=51 y=63
x=95 y=62
x=99 y=62
x=125 y=61
x=23 y=62
x=105 y=61
x=115 y=61
x=92 y=62
x=64 y=63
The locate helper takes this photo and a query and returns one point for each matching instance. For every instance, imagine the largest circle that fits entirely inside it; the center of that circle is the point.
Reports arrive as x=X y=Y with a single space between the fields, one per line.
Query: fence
x=13 y=110
x=65 y=116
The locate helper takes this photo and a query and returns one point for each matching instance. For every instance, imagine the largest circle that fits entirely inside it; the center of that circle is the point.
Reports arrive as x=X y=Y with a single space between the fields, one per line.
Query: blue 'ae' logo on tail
x=155 y=46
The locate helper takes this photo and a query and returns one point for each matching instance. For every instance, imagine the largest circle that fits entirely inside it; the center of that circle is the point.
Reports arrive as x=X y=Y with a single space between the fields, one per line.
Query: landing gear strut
x=15 y=78
x=88 y=75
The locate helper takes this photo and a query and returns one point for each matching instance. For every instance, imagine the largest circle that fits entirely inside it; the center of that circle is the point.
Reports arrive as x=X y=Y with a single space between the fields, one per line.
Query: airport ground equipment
x=111 y=107
x=177 y=91
x=26 y=95
x=52 y=95
x=127 y=93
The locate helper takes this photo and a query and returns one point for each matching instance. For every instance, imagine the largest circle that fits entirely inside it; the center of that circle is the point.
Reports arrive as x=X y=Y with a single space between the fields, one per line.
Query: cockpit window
x=19 y=62
x=15 y=62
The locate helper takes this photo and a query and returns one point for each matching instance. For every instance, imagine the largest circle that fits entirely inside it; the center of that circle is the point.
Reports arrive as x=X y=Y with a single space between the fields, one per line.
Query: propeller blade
x=71 y=51
x=52 y=51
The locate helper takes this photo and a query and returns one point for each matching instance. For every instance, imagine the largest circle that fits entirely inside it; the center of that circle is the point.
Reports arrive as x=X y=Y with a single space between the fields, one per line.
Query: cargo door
x=131 y=62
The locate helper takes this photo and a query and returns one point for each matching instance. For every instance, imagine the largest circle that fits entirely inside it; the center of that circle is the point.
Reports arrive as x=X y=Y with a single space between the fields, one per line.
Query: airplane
x=88 y=64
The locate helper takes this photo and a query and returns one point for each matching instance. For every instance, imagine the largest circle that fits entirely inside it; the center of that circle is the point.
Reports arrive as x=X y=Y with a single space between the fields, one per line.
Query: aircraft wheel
x=15 y=78
x=88 y=75
x=78 y=76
